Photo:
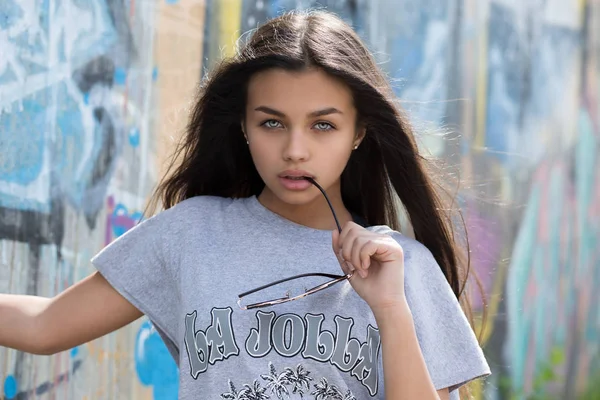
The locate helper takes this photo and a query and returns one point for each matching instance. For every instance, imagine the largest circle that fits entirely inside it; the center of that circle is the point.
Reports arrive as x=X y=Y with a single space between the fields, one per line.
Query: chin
x=296 y=198
x=299 y=198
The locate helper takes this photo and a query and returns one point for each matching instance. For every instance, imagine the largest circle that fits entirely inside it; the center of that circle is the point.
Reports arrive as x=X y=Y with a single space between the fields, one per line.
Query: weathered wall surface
x=92 y=92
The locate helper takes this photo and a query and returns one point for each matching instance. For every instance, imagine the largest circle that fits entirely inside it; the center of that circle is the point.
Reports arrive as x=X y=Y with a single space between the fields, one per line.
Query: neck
x=314 y=213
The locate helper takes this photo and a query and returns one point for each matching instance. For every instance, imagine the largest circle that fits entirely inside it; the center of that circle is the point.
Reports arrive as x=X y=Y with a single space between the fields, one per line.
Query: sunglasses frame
x=287 y=298
x=334 y=278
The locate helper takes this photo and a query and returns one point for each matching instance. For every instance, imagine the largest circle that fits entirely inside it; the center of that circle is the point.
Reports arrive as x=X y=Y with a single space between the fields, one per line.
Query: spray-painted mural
x=87 y=94
x=76 y=84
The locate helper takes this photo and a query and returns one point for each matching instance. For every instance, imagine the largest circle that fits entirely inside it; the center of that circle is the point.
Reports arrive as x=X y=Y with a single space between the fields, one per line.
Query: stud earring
x=355 y=146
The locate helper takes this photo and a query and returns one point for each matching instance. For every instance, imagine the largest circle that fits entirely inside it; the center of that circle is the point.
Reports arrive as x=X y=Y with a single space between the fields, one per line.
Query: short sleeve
x=137 y=264
x=448 y=343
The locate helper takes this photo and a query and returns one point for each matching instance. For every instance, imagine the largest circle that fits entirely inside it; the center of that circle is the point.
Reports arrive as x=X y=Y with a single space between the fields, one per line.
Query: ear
x=361 y=132
x=243 y=126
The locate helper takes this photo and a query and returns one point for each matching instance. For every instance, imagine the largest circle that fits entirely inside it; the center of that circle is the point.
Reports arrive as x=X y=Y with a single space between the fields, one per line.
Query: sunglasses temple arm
x=311 y=180
x=299 y=276
x=336 y=279
x=268 y=285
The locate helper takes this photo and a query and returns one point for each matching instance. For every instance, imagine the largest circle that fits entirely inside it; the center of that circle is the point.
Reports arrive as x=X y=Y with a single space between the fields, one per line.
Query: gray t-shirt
x=185 y=267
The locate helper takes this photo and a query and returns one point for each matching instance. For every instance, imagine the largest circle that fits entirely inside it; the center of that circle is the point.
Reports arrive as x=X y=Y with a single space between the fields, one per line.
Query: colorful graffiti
x=11 y=383
x=119 y=220
x=74 y=132
x=513 y=87
x=154 y=364
x=542 y=131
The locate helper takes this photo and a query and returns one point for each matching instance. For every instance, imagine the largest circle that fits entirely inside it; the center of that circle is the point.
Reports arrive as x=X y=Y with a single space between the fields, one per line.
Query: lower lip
x=295 y=184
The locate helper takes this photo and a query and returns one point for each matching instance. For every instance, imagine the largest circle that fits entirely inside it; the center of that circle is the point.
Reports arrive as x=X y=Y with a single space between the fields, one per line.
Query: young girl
x=290 y=173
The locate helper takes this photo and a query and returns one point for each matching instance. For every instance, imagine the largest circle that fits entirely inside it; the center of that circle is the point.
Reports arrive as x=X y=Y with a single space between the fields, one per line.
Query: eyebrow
x=317 y=113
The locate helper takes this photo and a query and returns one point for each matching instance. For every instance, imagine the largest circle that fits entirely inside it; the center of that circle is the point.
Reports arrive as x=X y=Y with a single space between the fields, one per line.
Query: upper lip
x=295 y=173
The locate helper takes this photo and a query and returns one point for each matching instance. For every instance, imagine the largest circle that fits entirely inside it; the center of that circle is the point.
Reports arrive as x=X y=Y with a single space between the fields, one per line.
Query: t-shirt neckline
x=274 y=220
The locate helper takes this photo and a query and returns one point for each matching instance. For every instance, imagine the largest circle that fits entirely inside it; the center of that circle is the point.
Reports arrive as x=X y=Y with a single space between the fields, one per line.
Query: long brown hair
x=213 y=158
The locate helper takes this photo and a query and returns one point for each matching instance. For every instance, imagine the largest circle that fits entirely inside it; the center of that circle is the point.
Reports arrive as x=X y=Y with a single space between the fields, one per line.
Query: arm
x=404 y=368
x=378 y=260
x=86 y=311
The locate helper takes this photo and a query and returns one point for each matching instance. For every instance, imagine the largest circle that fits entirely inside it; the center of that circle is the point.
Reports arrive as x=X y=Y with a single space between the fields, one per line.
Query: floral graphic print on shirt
x=291 y=383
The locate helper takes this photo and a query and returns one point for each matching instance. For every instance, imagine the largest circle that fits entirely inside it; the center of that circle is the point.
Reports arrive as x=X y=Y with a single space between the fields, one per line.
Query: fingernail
x=363 y=274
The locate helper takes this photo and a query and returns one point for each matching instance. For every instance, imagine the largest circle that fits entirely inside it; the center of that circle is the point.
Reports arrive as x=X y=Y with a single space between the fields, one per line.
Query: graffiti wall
x=93 y=93
x=515 y=85
x=82 y=134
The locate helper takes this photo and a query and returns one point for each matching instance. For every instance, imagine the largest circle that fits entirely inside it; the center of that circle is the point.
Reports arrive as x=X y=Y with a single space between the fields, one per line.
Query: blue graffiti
x=554 y=260
x=419 y=58
x=60 y=132
x=134 y=137
x=120 y=77
x=154 y=364
x=10 y=387
x=525 y=72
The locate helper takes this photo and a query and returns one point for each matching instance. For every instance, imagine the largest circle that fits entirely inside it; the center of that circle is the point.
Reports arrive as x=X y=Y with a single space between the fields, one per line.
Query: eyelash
x=331 y=127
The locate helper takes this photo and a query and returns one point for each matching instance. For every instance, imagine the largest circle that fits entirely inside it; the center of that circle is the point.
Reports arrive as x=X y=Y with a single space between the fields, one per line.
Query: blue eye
x=271 y=124
x=324 y=126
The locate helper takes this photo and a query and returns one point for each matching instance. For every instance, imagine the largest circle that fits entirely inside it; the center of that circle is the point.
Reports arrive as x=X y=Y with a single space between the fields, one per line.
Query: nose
x=296 y=146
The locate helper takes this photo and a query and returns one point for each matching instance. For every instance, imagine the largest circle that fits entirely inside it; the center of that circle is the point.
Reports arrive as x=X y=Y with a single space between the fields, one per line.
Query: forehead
x=298 y=90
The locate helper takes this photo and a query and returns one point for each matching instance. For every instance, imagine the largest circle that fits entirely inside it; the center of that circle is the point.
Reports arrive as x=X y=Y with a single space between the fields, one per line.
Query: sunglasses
x=333 y=278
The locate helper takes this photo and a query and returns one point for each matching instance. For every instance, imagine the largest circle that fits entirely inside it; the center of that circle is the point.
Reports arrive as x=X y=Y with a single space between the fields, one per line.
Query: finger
x=348 y=243
x=346 y=249
x=367 y=251
x=335 y=246
x=336 y=251
x=345 y=267
x=335 y=240
x=359 y=242
x=347 y=230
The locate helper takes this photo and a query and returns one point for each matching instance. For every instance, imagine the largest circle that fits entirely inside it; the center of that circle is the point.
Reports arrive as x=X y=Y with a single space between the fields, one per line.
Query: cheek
x=334 y=158
x=338 y=147
x=264 y=153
